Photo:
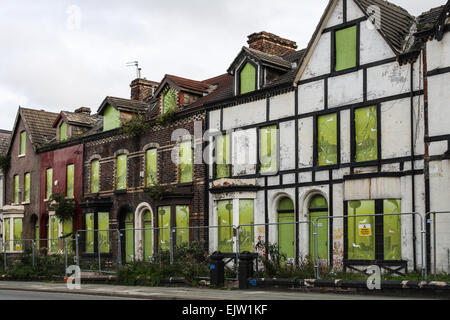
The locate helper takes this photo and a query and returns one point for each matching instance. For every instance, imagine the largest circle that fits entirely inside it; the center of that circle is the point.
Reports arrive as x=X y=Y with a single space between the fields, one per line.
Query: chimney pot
x=142 y=89
x=86 y=110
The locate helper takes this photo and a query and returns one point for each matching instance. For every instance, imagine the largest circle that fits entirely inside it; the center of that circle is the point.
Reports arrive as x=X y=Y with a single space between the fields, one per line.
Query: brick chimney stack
x=86 y=110
x=271 y=43
x=142 y=89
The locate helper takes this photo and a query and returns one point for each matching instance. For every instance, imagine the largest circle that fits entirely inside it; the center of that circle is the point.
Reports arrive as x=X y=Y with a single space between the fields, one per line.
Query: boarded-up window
x=366 y=138
x=392 y=230
x=89 y=233
x=63 y=131
x=37 y=235
x=286 y=227
x=70 y=180
x=121 y=179
x=345 y=48
x=111 y=118
x=246 y=232
x=95 y=173
x=223 y=156
x=182 y=221
x=151 y=167
x=185 y=162
x=48 y=183
x=268 y=149
x=16 y=189
x=225 y=217
x=164 y=225
x=103 y=236
x=361 y=230
x=53 y=234
x=169 y=101
x=327 y=139
x=27 y=188
x=23 y=143
x=248 y=78
x=7 y=226
x=318 y=207
x=18 y=234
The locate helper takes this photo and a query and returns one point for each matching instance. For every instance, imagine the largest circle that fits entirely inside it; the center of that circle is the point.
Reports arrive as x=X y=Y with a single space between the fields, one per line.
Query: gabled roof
x=432 y=22
x=396 y=25
x=5 y=136
x=121 y=104
x=183 y=84
x=220 y=85
x=38 y=124
x=77 y=119
x=261 y=57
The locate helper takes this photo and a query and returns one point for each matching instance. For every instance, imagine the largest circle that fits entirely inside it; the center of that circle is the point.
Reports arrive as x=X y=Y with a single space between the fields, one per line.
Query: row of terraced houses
x=355 y=123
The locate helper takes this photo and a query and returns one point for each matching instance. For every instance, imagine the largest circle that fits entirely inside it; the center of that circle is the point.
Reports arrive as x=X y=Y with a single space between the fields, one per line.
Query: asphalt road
x=32 y=295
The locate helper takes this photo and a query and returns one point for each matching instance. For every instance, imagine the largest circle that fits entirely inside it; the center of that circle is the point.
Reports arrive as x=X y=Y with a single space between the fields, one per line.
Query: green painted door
x=148 y=233
x=286 y=229
x=318 y=208
x=129 y=237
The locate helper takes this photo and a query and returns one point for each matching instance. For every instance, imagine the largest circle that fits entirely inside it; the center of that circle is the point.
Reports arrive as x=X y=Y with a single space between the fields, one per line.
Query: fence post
x=33 y=248
x=316 y=251
x=5 y=264
x=424 y=246
x=98 y=251
x=65 y=253
x=238 y=249
x=171 y=244
x=77 y=256
x=434 y=244
x=119 y=249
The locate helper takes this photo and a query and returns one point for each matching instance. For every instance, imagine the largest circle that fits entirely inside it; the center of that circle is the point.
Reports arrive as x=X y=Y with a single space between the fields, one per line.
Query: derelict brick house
x=335 y=129
x=118 y=166
x=5 y=136
x=32 y=129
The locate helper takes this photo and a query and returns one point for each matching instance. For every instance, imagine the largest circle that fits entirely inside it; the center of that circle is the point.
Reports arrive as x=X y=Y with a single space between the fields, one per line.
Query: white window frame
x=11 y=216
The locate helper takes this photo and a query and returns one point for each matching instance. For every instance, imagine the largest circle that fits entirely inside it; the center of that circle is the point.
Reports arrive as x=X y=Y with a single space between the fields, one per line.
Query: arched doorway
x=318 y=207
x=286 y=230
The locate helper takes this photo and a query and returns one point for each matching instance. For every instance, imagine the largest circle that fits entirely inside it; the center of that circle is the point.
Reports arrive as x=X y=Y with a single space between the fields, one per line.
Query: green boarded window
x=327 y=139
x=129 y=237
x=318 y=208
x=63 y=131
x=361 y=230
x=164 y=224
x=346 y=48
x=121 y=172
x=89 y=220
x=248 y=78
x=7 y=226
x=48 y=183
x=225 y=217
x=103 y=236
x=70 y=180
x=185 y=162
x=169 y=101
x=151 y=167
x=67 y=229
x=16 y=189
x=95 y=174
x=26 y=195
x=53 y=234
x=246 y=233
x=18 y=234
x=392 y=230
x=286 y=228
x=111 y=118
x=182 y=221
x=148 y=238
x=23 y=143
x=366 y=139
x=268 y=149
x=223 y=156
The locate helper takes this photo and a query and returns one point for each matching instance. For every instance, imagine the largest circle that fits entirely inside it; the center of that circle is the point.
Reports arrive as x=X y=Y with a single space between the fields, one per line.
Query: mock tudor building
x=120 y=167
x=334 y=130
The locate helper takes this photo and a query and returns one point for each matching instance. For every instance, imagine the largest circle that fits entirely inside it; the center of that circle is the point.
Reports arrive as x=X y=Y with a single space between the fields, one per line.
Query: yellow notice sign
x=365 y=230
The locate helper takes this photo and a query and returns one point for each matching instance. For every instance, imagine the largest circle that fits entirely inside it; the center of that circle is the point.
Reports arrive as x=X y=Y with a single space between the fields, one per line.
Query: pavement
x=93 y=291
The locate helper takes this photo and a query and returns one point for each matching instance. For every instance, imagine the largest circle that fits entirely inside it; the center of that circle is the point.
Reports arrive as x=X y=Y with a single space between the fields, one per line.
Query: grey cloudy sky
x=48 y=62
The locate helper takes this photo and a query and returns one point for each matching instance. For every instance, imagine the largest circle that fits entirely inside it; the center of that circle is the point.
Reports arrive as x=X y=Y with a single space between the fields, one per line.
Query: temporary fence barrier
x=365 y=229
x=440 y=243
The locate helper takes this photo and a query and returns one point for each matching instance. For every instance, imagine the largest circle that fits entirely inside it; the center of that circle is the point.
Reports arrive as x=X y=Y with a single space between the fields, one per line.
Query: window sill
x=21 y=156
x=26 y=202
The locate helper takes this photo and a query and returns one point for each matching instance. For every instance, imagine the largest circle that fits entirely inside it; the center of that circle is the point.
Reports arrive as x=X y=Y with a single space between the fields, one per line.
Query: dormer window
x=247 y=78
x=346 y=48
x=111 y=118
x=169 y=101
